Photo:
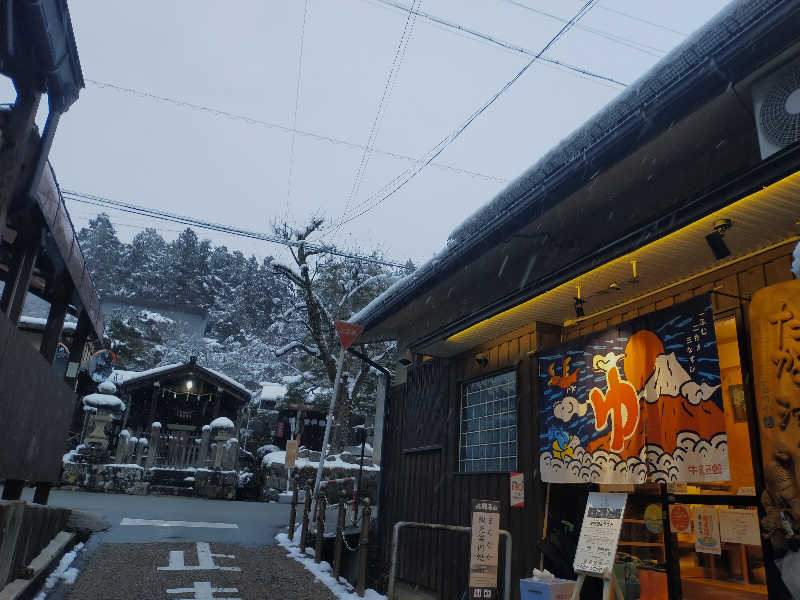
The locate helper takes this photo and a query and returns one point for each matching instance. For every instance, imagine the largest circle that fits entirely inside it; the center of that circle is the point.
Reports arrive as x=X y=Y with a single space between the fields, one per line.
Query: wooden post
x=151 y=418
x=322 y=503
x=304 y=530
x=337 y=553
x=42 y=492
x=363 y=550
x=293 y=509
x=13 y=299
x=82 y=330
x=152 y=447
x=12 y=490
x=55 y=321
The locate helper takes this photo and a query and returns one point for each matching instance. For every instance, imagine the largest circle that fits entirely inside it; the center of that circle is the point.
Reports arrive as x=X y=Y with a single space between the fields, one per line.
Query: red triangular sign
x=348 y=332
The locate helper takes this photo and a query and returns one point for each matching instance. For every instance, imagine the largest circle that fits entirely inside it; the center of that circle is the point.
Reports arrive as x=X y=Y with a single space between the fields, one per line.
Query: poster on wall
x=706 y=531
x=483 y=554
x=638 y=402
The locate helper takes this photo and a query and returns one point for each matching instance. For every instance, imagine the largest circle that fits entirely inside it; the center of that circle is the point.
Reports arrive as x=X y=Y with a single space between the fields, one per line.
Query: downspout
x=42 y=153
x=386 y=408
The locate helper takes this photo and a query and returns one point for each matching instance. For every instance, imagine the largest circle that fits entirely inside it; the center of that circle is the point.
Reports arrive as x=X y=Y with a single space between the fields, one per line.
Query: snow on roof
x=222 y=423
x=41 y=322
x=288 y=379
x=678 y=81
x=103 y=401
x=271 y=391
x=129 y=376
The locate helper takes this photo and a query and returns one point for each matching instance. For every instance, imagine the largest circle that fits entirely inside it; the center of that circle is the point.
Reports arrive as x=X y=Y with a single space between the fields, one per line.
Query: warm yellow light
x=634 y=258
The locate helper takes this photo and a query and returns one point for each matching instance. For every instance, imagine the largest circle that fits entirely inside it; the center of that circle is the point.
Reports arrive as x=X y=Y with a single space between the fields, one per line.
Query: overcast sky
x=242 y=57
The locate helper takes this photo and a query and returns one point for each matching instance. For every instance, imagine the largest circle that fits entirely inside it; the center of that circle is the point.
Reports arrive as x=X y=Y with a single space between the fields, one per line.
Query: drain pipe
x=42 y=152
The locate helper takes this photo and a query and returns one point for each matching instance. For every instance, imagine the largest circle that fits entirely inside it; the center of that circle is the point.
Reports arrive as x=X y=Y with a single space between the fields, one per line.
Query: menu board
x=597 y=544
x=483 y=555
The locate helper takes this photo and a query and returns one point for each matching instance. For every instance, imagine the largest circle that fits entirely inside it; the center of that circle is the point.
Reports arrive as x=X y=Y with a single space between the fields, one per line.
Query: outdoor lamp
x=189 y=384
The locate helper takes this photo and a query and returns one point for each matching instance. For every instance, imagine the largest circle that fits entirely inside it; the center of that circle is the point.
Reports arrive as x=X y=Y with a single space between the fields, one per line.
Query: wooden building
x=182 y=397
x=39 y=250
x=685 y=188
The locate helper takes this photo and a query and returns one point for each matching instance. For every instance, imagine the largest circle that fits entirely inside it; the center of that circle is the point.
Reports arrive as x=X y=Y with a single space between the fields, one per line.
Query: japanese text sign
x=597 y=544
x=483 y=559
x=517 y=482
x=637 y=402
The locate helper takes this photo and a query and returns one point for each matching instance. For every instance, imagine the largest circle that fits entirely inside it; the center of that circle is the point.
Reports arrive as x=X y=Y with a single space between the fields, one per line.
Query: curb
x=20 y=589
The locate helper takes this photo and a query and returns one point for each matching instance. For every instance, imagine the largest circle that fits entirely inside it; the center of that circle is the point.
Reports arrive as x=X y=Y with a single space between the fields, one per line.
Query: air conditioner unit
x=776 y=103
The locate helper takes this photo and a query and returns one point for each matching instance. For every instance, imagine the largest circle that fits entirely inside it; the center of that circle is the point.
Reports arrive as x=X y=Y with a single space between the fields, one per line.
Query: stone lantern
x=107 y=407
x=221 y=431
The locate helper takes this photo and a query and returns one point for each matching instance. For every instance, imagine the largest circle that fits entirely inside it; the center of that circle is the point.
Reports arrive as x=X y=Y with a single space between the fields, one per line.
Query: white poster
x=706 y=531
x=602 y=523
x=739 y=526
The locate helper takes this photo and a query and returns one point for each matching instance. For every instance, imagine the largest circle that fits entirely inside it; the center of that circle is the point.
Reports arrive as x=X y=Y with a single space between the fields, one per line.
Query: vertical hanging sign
x=483 y=555
x=517 y=481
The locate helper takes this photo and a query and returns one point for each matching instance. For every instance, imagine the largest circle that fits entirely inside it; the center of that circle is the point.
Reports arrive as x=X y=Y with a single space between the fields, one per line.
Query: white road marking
x=205 y=560
x=202 y=590
x=161 y=523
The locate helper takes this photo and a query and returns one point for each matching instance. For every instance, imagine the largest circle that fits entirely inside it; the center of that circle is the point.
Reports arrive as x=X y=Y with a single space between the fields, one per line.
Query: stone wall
x=129 y=479
x=275 y=478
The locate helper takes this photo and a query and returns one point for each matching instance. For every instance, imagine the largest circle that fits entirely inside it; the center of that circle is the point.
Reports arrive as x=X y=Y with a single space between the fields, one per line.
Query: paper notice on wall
x=706 y=531
x=739 y=526
x=680 y=519
x=602 y=523
x=517 y=481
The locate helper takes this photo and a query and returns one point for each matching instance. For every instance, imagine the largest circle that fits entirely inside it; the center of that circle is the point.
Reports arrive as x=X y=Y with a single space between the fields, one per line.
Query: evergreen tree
x=103 y=253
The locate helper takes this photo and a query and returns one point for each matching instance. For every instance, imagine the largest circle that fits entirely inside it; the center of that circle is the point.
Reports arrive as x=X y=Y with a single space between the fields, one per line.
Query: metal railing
x=395 y=543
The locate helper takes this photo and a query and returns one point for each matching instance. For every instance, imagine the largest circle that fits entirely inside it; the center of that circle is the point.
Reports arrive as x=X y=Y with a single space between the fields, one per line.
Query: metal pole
x=360 y=471
x=324 y=451
x=363 y=550
x=395 y=542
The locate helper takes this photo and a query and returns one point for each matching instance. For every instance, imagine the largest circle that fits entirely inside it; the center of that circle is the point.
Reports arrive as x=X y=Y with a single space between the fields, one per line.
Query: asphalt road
x=257 y=522
x=134 y=558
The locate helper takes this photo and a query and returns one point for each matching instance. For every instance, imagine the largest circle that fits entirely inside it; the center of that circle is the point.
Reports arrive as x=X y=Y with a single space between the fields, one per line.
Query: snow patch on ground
x=63 y=572
x=322 y=572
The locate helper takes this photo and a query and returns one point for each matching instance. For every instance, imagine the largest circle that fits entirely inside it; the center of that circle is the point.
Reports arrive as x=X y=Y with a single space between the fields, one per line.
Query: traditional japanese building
x=182 y=397
x=621 y=318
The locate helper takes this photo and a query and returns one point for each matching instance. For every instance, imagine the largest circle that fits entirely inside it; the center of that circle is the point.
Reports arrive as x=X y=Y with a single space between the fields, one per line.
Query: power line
x=641 y=20
x=219 y=227
x=270 y=125
x=391 y=79
x=401 y=180
x=503 y=44
x=618 y=39
x=297 y=100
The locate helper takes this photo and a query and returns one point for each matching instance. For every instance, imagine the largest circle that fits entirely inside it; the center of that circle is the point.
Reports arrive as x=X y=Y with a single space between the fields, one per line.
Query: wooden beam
x=15 y=138
x=79 y=338
x=55 y=321
x=13 y=299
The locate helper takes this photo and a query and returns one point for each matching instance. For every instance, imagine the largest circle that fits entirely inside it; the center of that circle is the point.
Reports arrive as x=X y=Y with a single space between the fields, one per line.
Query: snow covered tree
x=103 y=252
x=330 y=288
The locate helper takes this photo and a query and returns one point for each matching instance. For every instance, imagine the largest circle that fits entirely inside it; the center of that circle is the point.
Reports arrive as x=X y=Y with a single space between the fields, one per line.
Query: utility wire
x=394 y=70
x=270 y=125
x=641 y=20
x=401 y=180
x=503 y=44
x=219 y=227
x=297 y=101
x=618 y=39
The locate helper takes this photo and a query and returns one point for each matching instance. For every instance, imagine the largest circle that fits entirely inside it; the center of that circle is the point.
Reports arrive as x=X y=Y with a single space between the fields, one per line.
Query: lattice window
x=488 y=440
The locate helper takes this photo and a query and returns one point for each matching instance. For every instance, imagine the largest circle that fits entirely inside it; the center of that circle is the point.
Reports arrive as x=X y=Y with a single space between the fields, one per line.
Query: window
x=488 y=440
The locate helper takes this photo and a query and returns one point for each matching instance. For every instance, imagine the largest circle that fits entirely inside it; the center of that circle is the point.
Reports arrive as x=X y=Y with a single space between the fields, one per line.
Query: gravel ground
x=128 y=571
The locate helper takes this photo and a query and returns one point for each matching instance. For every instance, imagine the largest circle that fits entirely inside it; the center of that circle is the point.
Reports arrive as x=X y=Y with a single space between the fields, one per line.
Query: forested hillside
x=258 y=328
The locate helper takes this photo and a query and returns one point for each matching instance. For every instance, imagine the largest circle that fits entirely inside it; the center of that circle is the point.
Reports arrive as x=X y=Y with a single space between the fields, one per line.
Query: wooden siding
x=424 y=484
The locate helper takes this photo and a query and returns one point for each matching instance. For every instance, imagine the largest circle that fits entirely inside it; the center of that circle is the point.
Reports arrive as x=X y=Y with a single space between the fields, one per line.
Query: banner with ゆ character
x=638 y=402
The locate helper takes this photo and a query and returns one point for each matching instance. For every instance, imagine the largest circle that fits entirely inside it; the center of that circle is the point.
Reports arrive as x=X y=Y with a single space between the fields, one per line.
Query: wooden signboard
x=775 y=334
x=291 y=453
x=483 y=554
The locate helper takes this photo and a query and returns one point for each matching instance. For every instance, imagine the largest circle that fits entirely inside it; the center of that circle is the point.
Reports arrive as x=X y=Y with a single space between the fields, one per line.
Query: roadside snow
x=63 y=572
x=322 y=573
x=332 y=461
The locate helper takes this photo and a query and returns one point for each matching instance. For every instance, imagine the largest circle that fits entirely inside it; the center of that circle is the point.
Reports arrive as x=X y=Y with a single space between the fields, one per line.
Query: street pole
x=324 y=451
